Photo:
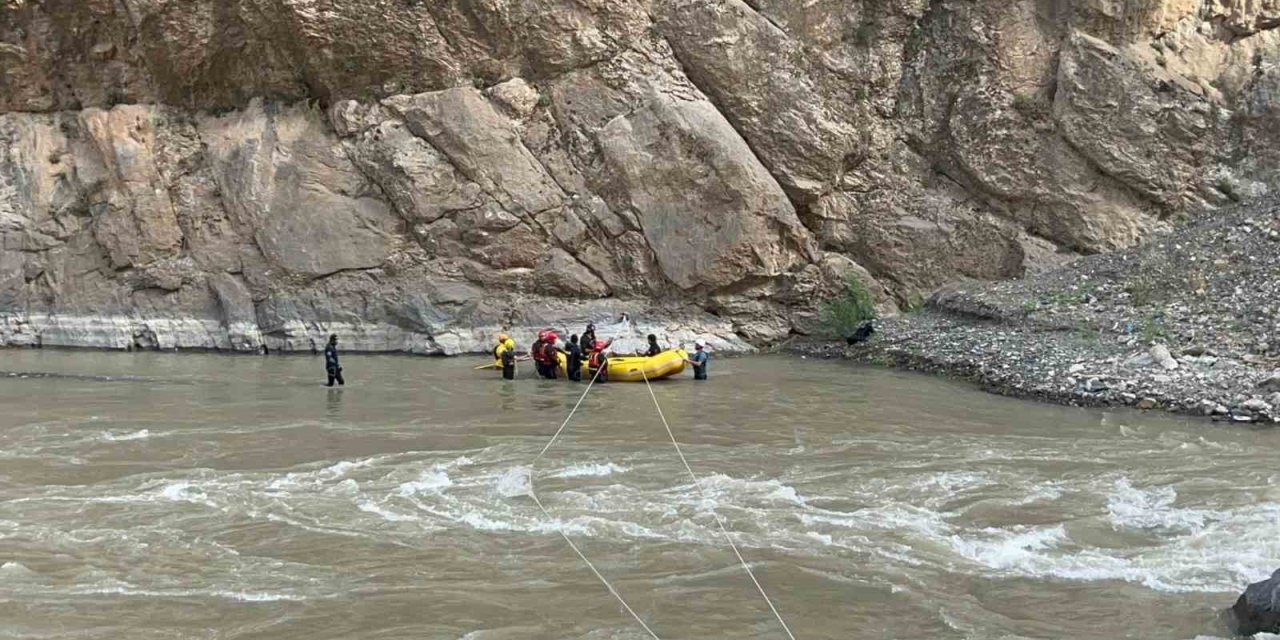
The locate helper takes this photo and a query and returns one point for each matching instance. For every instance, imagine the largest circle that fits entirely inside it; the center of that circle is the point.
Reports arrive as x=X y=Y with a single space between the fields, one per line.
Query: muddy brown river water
x=207 y=496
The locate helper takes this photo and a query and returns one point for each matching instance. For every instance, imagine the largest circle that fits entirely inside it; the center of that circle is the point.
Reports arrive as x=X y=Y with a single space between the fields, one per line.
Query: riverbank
x=1189 y=323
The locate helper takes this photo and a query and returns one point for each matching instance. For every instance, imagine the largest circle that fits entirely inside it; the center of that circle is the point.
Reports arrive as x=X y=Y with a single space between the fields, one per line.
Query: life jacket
x=504 y=351
x=539 y=352
x=597 y=358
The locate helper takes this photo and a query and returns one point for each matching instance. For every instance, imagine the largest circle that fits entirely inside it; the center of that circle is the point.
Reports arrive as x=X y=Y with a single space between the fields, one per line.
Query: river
x=205 y=496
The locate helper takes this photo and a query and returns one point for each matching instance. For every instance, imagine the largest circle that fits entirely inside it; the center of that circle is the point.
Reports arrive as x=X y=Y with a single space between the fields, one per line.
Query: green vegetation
x=1142 y=292
x=914 y=303
x=843 y=315
x=1153 y=329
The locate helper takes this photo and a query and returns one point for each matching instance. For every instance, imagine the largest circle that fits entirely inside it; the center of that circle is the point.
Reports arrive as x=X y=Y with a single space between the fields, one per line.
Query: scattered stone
x=1149 y=303
x=1162 y=357
x=1256 y=404
x=1147 y=403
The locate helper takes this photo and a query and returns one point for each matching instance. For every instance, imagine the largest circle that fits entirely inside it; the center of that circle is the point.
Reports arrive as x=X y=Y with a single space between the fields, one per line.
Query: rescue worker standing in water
x=598 y=363
x=331 y=365
x=539 y=357
x=573 y=359
x=551 y=355
x=699 y=361
x=505 y=353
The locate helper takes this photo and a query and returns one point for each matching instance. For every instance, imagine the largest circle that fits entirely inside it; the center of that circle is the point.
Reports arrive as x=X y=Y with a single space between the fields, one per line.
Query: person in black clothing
x=331 y=361
x=509 y=364
x=573 y=359
x=654 y=349
x=588 y=338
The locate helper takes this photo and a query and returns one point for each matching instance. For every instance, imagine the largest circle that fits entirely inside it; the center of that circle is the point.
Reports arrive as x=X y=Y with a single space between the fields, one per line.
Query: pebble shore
x=1188 y=322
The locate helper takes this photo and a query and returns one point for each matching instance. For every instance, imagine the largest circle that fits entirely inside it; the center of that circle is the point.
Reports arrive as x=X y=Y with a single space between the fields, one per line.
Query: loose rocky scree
x=1188 y=322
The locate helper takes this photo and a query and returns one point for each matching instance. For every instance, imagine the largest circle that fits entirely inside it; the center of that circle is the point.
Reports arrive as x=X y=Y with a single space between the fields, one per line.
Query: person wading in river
x=598 y=363
x=573 y=359
x=331 y=365
x=699 y=360
x=505 y=353
x=551 y=355
x=537 y=352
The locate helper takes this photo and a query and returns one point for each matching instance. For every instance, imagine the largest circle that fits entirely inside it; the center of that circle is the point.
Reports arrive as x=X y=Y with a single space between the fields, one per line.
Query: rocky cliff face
x=416 y=174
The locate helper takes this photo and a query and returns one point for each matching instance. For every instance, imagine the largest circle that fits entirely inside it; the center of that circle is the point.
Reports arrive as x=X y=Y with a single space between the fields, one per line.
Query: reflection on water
x=237 y=497
x=334 y=403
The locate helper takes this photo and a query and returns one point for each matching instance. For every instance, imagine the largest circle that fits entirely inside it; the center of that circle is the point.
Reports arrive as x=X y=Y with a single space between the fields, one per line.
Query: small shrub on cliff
x=843 y=315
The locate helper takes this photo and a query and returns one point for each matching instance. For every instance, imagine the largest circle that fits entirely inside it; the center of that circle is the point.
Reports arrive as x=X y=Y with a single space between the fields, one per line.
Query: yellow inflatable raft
x=637 y=368
x=628 y=368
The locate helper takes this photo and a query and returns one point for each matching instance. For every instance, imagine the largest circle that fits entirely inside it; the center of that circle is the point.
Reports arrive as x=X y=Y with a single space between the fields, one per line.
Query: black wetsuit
x=587 y=341
x=509 y=364
x=654 y=349
x=331 y=365
x=573 y=354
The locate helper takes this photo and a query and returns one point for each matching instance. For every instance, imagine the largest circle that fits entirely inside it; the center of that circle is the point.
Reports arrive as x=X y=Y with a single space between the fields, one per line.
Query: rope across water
x=719 y=521
x=534 y=494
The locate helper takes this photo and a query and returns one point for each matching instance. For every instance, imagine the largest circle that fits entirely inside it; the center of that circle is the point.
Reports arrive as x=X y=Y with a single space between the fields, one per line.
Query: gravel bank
x=1189 y=322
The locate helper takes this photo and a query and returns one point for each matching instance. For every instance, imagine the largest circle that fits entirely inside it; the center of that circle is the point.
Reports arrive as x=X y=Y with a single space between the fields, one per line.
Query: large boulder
x=1258 y=609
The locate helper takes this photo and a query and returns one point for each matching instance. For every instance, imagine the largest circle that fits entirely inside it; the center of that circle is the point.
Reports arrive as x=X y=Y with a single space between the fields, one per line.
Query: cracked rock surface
x=416 y=175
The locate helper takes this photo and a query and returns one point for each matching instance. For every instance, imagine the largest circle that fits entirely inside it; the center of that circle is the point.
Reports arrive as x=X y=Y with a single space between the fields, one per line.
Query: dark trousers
x=336 y=374
x=508 y=372
x=575 y=371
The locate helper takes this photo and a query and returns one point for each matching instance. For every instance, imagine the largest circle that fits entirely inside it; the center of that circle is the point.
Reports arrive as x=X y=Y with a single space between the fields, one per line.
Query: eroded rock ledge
x=224 y=174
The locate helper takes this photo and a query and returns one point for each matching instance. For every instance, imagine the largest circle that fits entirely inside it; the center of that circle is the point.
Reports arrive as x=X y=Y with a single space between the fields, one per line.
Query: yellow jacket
x=503 y=347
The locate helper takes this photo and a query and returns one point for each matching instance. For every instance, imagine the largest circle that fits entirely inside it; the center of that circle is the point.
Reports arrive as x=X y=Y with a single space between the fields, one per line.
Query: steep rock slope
x=228 y=173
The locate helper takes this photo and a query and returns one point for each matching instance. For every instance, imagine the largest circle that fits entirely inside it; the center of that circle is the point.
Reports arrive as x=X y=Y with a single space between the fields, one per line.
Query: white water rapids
x=204 y=496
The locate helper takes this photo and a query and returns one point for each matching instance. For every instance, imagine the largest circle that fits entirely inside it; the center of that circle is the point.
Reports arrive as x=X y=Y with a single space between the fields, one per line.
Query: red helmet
x=599 y=345
x=552 y=337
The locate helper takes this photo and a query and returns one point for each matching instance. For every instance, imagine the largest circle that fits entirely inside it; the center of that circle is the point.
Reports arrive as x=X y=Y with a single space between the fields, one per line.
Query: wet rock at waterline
x=1258 y=609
